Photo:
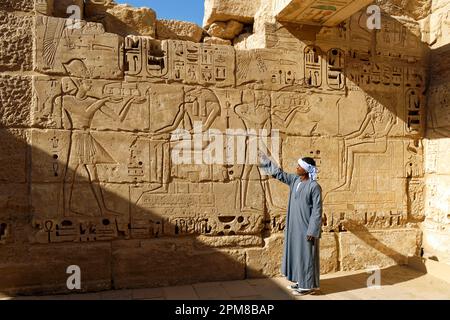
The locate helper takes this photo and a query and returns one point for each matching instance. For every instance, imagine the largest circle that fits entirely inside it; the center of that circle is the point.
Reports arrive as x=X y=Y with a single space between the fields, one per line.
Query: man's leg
x=315 y=276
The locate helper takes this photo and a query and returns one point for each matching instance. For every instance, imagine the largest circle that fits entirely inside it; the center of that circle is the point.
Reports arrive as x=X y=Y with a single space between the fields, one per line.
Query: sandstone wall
x=87 y=177
x=437 y=144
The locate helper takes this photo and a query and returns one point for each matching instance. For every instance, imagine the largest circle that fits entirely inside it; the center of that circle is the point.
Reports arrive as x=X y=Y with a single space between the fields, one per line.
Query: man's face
x=68 y=87
x=300 y=171
x=86 y=84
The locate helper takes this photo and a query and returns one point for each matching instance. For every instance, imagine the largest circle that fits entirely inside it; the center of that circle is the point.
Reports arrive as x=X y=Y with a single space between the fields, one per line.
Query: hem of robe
x=297 y=282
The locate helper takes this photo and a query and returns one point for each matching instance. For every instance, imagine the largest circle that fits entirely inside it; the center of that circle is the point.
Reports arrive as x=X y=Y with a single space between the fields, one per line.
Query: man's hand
x=310 y=238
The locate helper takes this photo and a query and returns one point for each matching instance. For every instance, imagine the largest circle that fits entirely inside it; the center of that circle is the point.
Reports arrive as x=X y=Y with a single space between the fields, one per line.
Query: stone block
x=16 y=42
x=178 y=30
x=361 y=250
x=166 y=262
x=38 y=270
x=16 y=101
x=224 y=10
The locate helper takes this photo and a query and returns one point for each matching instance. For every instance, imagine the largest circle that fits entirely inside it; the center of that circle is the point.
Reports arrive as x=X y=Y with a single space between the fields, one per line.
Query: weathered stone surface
x=266 y=261
x=436 y=231
x=13 y=201
x=226 y=30
x=361 y=250
x=178 y=30
x=215 y=40
x=37 y=270
x=228 y=241
x=112 y=110
x=329 y=13
x=181 y=62
x=436 y=153
x=161 y=262
x=329 y=254
x=435 y=239
x=436 y=26
x=246 y=41
x=417 y=9
x=45 y=7
x=436 y=226
x=122 y=19
x=13 y=155
x=16 y=5
x=224 y=10
x=15 y=42
x=126 y=20
x=92 y=54
x=16 y=99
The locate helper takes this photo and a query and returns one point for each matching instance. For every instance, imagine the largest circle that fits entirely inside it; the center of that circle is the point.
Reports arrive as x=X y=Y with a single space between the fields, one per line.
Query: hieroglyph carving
x=180 y=61
x=57 y=44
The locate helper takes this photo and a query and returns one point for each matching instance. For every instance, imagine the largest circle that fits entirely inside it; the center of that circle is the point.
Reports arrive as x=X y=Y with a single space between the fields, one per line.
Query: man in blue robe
x=300 y=262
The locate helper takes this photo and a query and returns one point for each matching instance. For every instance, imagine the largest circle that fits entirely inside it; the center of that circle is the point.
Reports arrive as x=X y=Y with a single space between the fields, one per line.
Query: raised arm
x=276 y=172
x=178 y=118
x=315 y=222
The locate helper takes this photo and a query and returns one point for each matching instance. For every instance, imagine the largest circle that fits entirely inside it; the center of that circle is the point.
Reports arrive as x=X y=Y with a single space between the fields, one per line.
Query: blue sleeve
x=315 y=221
x=273 y=170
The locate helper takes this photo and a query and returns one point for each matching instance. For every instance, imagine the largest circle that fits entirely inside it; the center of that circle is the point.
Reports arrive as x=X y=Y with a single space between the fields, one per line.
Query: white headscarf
x=312 y=170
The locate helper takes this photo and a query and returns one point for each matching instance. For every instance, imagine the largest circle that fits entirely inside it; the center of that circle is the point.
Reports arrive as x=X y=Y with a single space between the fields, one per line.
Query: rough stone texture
x=247 y=41
x=316 y=12
x=99 y=163
x=155 y=263
x=437 y=224
x=436 y=26
x=15 y=42
x=92 y=52
x=16 y=5
x=128 y=20
x=42 y=269
x=45 y=7
x=362 y=250
x=13 y=202
x=178 y=30
x=224 y=10
x=266 y=261
x=226 y=30
x=16 y=98
x=203 y=242
x=437 y=143
x=13 y=163
x=417 y=9
x=329 y=255
x=215 y=40
x=123 y=19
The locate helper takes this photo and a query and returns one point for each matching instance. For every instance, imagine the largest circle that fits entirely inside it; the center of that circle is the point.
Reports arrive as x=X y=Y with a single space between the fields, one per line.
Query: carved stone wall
x=437 y=144
x=87 y=175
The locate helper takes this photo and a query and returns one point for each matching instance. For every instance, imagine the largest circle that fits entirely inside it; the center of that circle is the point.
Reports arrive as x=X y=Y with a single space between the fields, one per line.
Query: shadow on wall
x=95 y=230
x=436 y=231
x=389 y=65
x=72 y=219
x=438 y=102
x=380 y=122
x=78 y=197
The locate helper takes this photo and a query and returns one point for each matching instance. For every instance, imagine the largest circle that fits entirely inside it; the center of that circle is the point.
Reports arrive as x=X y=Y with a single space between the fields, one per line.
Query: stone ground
x=396 y=283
